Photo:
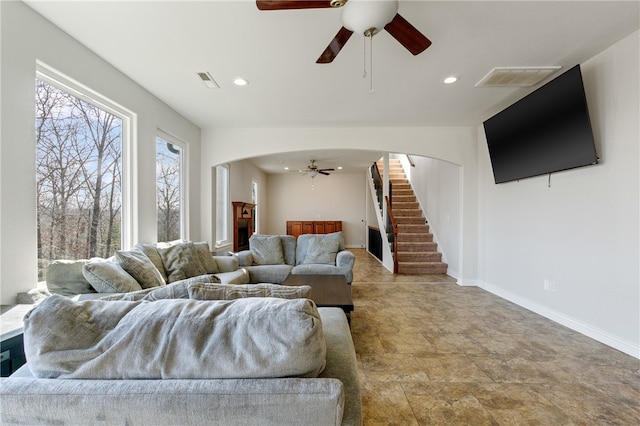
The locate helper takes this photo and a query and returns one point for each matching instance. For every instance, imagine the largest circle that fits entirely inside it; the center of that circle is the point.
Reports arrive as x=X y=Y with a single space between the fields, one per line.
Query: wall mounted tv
x=546 y=131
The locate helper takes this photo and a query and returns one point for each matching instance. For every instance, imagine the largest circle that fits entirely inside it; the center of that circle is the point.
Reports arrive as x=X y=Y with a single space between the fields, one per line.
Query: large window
x=79 y=173
x=169 y=157
x=222 y=205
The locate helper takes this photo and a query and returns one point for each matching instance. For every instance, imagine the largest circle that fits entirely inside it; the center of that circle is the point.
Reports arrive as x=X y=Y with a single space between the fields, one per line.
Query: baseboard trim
x=588 y=330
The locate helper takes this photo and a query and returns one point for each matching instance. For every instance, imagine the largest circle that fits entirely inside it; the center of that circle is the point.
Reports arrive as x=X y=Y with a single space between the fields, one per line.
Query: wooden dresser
x=298 y=227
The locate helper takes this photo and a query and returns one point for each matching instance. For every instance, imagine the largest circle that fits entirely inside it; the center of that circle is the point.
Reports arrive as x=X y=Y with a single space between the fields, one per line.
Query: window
x=254 y=199
x=222 y=205
x=169 y=157
x=80 y=148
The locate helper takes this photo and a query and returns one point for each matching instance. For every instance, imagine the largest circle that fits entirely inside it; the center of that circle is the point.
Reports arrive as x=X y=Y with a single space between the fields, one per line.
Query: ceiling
x=162 y=45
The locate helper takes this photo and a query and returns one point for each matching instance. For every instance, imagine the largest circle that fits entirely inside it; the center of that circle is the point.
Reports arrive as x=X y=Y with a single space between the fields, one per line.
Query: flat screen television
x=546 y=131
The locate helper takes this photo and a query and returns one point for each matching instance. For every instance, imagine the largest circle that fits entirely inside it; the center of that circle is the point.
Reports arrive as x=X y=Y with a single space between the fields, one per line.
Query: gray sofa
x=332 y=398
x=271 y=258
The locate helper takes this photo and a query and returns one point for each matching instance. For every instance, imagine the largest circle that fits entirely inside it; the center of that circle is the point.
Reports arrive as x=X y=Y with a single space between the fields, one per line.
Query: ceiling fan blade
x=292 y=4
x=408 y=36
x=323 y=173
x=335 y=46
x=326 y=170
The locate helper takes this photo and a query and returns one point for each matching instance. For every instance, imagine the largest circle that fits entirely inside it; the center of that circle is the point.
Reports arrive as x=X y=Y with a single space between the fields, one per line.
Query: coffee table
x=326 y=290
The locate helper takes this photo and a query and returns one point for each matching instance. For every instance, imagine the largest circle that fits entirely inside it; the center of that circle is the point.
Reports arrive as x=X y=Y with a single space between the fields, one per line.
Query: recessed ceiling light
x=240 y=81
x=450 y=80
x=286 y=168
x=339 y=167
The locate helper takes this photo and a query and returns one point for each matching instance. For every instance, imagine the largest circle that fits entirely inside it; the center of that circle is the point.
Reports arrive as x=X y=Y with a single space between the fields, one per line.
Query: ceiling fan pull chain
x=364 y=57
x=371 y=64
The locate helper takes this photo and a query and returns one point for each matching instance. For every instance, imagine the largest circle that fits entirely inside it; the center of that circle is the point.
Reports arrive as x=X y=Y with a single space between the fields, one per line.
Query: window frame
x=129 y=230
x=184 y=198
x=226 y=214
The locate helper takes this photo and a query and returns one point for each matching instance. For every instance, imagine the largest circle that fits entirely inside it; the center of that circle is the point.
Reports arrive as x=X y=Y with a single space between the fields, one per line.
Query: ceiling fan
x=364 y=17
x=313 y=170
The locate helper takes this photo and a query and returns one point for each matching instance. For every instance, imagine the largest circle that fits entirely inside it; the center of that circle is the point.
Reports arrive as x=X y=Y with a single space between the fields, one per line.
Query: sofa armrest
x=244 y=258
x=345 y=258
x=226 y=263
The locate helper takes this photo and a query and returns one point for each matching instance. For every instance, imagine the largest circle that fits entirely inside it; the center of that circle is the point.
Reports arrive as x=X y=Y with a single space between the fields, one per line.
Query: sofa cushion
x=181 y=261
x=266 y=249
x=239 y=291
x=321 y=251
x=304 y=240
x=109 y=277
x=174 y=339
x=140 y=267
x=65 y=277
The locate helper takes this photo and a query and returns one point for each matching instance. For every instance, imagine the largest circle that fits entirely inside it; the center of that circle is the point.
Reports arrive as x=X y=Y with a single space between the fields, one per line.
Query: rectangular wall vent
x=208 y=80
x=516 y=76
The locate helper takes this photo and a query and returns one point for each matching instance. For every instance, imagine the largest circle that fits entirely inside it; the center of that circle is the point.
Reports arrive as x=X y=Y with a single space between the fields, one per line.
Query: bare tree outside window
x=168 y=199
x=78 y=177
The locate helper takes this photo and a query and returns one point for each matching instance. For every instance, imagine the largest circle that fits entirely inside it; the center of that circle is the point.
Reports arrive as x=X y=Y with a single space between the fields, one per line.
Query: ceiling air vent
x=516 y=76
x=208 y=80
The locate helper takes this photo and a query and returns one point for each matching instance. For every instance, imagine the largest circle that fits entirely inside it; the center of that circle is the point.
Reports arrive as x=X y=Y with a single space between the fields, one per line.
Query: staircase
x=415 y=249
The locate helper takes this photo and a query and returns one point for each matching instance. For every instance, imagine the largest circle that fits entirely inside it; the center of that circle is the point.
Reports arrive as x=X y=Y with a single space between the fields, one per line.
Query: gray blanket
x=174 y=339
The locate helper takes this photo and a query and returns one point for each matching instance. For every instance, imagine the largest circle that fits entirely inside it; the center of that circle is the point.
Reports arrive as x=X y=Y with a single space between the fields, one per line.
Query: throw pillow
x=266 y=249
x=322 y=251
x=151 y=252
x=138 y=265
x=181 y=261
x=239 y=291
x=206 y=258
x=109 y=277
x=65 y=277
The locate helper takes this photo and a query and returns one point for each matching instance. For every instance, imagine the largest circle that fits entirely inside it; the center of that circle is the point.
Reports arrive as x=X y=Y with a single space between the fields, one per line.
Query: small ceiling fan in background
x=364 y=17
x=313 y=170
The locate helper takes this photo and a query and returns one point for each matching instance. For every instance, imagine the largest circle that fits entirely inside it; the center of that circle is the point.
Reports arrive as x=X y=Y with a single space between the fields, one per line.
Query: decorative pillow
x=239 y=291
x=322 y=251
x=166 y=339
x=181 y=261
x=65 y=277
x=206 y=258
x=138 y=265
x=109 y=277
x=151 y=252
x=266 y=250
x=176 y=290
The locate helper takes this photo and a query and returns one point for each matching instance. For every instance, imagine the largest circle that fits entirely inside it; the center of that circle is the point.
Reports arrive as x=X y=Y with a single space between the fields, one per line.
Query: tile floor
x=432 y=352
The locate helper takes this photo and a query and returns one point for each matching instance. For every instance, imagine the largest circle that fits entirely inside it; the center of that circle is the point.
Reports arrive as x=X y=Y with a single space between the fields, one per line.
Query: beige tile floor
x=432 y=352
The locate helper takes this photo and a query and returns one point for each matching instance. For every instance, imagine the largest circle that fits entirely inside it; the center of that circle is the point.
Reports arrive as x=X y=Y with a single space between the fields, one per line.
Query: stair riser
x=413 y=229
x=410 y=220
x=404 y=198
x=404 y=247
x=415 y=238
x=420 y=257
x=404 y=205
x=428 y=268
x=407 y=213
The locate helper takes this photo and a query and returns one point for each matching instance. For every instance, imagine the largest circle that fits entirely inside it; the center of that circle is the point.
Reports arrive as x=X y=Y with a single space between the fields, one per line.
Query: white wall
x=582 y=233
x=453 y=144
x=27 y=37
x=437 y=185
x=336 y=197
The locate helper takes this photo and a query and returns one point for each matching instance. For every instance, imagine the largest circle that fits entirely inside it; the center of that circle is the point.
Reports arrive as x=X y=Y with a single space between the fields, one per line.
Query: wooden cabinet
x=298 y=227
x=243 y=224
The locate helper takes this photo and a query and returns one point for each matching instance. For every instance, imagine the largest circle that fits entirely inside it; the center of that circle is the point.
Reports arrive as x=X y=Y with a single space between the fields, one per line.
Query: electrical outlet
x=549 y=286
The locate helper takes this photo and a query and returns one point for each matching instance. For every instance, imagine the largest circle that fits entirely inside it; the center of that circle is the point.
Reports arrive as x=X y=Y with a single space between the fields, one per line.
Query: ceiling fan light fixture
x=366 y=17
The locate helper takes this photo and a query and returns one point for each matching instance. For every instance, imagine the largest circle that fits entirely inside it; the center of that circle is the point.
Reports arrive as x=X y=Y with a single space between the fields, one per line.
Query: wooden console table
x=299 y=227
